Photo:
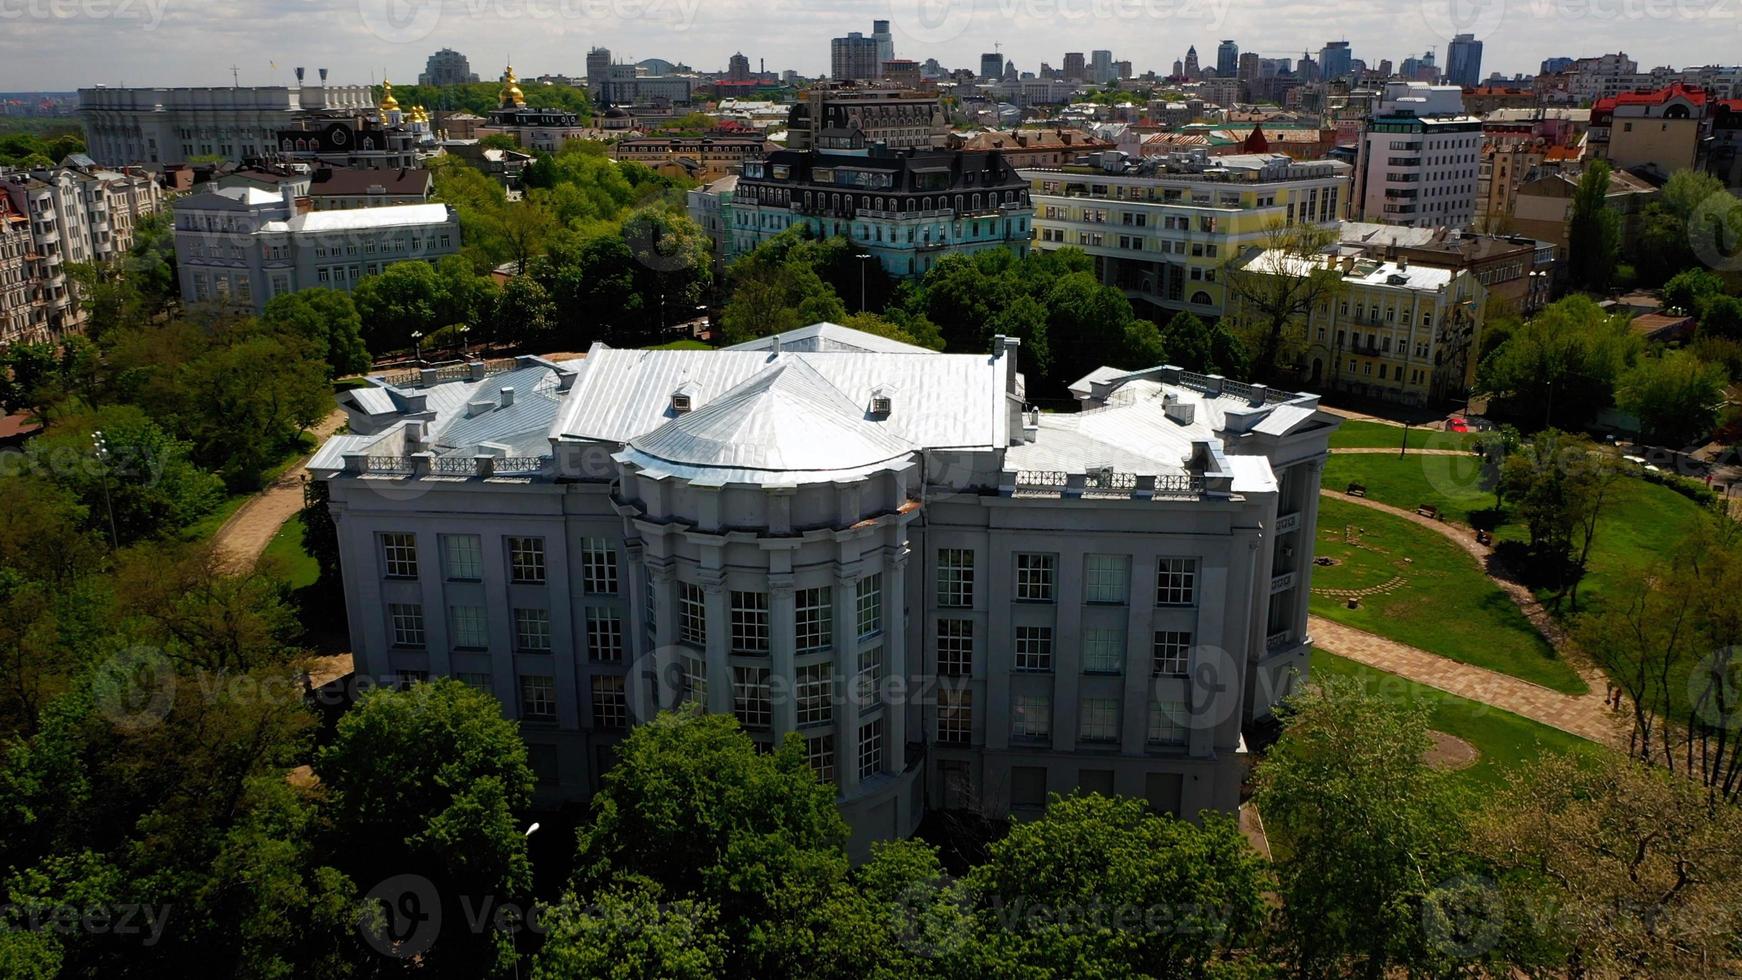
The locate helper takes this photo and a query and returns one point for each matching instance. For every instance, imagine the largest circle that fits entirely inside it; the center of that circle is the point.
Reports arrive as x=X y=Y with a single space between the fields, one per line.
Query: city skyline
x=64 y=46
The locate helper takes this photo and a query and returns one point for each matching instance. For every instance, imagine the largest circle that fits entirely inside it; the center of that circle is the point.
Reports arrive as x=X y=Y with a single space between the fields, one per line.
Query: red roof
x=1693 y=94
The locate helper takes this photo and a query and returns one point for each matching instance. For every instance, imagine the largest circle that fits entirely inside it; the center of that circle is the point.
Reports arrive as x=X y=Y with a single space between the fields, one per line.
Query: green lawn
x=1450 y=482
x=1447 y=605
x=685 y=344
x=285 y=551
x=1505 y=740
x=1358 y=434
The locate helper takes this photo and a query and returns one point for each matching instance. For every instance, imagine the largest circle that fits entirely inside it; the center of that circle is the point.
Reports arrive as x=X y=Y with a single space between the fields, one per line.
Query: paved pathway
x=1582 y=714
x=246 y=534
x=1392 y=450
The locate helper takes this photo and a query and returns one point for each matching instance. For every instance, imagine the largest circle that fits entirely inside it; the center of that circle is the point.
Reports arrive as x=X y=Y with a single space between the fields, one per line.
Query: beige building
x=1397 y=330
x=1659 y=130
x=1542 y=205
x=704 y=158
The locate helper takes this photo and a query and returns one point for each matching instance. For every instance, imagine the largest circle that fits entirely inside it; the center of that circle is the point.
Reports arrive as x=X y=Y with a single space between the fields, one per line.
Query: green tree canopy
x=1563 y=363
x=1593 y=231
x=1675 y=397
x=328 y=320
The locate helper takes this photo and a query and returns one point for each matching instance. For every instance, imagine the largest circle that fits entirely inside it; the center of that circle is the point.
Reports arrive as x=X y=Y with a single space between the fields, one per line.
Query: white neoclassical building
x=955 y=601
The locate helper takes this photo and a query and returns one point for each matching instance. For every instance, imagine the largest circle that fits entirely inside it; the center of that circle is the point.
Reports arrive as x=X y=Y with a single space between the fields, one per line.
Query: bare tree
x=1274 y=288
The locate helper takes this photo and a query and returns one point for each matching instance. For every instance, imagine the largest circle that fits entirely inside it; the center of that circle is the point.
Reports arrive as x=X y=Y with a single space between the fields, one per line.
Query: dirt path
x=1376 y=450
x=1582 y=714
x=245 y=535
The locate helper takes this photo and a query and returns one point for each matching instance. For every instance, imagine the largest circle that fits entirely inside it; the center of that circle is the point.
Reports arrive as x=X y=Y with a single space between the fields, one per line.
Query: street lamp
x=465 y=328
x=417 y=346
x=863 y=258
x=101 y=446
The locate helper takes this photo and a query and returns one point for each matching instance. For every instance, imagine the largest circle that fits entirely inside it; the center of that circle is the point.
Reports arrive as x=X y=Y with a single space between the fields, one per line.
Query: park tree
x=1189 y=343
x=1675 y=396
x=1365 y=828
x=433 y=781
x=673 y=264
x=1564 y=363
x=628 y=932
x=524 y=312
x=1495 y=447
x=1561 y=484
x=327 y=319
x=134 y=479
x=1105 y=888
x=1688 y=289
x=1274 y=289
x=771 y=295
x=1593 y=231
x=1624 y=869
x=1665 y=245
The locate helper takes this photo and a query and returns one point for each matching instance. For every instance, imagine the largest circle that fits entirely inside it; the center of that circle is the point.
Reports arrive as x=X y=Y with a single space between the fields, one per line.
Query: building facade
x=1659 y=130
x=1464 y=61
x=239 y=246
x=447 y=67
x=1419 y=159
x=904 y=208
x=77 y=212
x=833 y=116
x=159 y=126
x=955 y=602
x=853 y=58
x=1165 y=234
x=712 y=157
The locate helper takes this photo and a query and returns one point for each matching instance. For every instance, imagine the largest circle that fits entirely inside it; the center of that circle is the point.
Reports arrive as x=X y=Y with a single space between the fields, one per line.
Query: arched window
x=1201 y=298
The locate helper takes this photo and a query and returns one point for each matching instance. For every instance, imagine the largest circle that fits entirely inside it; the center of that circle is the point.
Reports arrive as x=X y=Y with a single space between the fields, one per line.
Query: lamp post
x=863 y=258
x=417 y=346
x=101 y=446
x=465 y=328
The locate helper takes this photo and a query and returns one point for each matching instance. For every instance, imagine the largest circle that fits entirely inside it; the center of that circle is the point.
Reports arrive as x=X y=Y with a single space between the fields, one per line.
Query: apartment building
x=1659 y=130
x=17 y=317
x=1164 y=232
x=241 y=246
x=1419 y=158
x=842 y=115
x=956 y=602
x=1517 y=271
x=331 y=190
x=76 y=212
x=905 y=208
x=1396 y=330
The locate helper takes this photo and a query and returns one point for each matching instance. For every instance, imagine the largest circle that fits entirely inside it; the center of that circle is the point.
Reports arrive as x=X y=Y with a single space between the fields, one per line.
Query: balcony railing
x=1103 y=485
x=1281 y=583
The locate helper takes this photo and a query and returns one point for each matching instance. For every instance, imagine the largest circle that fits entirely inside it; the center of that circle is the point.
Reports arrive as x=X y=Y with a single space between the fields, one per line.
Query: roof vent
x=682 y=398
x=1178 y=409
x=882 y=400
x=507 y=395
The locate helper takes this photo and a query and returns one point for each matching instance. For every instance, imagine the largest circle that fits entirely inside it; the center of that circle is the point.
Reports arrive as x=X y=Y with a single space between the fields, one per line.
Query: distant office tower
x=1074 y=66
x=738 y=68
x=599 y=74
x=991 y=65
x=853 y=57
x=1464 y=61
x=1179 y=68
x=1100 y=67
x=1227 y=59
x=1122 y=70
x=1554 y=66
x=885 y=41
x=447 y=67
x=1192 y=69
x=1335 y=60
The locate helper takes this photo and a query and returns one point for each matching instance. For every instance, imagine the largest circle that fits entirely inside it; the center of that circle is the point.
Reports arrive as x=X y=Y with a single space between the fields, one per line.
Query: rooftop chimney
x=507 y=395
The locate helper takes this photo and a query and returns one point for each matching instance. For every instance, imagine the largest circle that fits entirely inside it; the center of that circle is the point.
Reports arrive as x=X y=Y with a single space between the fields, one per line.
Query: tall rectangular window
x=477 y=679
x=610 y=703
x=470 y=628
x=815 y=622
x=750 y=622
x=955 y=716
x=1034 y=648
x=604 y=635
x=871 y=748
x=1034 y=577
x=1176 y=582
x=819 y=751
x=407 y=621
x=815 y=706
x=1031 y=716
x=868 y=681
x=538 y=697
x=1103 y=650
x=692 y=614
x=1173 y=653
x=649 y=602
x=750 y=701
x=695 y=680
x=955 y=578
x=870 y=605
x=532 y=630
x=955 y=647
x=598 y=567
x=1098 y=720
x=1104 y=578
x=526 y=560
x=399 y=554
x=463 y=555
x=1168 y=720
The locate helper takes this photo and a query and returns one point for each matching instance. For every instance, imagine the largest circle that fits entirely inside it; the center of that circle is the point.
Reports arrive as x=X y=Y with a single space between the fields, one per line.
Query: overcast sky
x=65 y=44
